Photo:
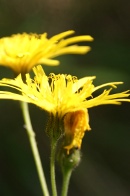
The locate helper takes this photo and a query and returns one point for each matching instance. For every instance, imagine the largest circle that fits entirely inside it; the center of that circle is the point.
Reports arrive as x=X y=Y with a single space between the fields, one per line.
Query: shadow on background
x=105 y=165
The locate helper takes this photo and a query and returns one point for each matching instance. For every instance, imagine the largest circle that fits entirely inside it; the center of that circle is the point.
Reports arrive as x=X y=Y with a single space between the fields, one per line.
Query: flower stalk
x=67 y=163
x=54 y=131
x=66 y=180
x=31 y=136
x=52 y=167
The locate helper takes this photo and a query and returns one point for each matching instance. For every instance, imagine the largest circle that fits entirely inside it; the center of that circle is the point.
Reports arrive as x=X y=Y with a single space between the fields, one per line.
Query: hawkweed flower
x=65 y=97
x=21 y=52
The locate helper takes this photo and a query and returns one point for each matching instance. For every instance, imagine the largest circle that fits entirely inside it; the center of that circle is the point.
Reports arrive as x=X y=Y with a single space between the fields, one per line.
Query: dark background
x=105 y=166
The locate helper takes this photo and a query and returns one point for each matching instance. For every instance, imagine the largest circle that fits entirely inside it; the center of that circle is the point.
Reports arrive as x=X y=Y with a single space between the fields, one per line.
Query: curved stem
x=31 y=135
x=66 y=180
x=52 y=167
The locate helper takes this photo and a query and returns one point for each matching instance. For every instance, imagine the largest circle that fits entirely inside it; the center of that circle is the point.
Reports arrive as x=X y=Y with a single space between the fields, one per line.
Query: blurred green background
x=105 y=166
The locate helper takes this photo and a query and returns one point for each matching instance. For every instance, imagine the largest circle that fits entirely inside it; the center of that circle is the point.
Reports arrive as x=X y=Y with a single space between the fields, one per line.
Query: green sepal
x=54 y=128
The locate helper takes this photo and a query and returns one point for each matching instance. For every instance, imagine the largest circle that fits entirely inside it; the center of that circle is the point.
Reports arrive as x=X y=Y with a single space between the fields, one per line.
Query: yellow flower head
x=63 y=96
x=21 y=52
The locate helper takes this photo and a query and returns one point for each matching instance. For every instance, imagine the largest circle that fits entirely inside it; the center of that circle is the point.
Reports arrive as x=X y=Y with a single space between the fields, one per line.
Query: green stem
x=31 y=135
x=52 y=167
x=66 y=180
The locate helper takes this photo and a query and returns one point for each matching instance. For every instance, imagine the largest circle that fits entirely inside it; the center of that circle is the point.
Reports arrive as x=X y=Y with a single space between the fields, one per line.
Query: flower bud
x=75 y=125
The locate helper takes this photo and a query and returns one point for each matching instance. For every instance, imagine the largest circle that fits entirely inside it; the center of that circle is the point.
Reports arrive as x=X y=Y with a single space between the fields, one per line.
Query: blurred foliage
x=105 y=165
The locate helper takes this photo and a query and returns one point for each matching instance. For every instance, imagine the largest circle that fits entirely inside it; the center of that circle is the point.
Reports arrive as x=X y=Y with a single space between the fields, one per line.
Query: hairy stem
x=52 y=167
x=33 y=143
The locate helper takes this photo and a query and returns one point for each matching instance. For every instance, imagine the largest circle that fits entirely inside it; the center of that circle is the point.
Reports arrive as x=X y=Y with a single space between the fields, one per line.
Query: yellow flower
x=21 y=52
x=63 y=96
